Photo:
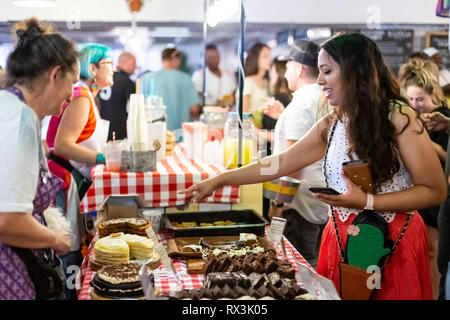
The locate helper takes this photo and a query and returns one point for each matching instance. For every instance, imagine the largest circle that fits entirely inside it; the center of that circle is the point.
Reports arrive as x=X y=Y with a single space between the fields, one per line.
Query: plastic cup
x=113 y=154
x=154 y=216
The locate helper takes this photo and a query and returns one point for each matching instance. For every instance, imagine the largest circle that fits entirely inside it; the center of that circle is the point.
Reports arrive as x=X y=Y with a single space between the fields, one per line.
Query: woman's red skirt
x=407 y=274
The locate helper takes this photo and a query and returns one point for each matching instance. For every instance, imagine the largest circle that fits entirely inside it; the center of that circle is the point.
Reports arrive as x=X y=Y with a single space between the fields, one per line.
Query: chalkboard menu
x=282 y=37
x=395 y=44
x=439 y=40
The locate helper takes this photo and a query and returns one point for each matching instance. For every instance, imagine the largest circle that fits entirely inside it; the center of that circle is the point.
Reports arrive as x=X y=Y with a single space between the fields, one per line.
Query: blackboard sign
x=439 y=40
x=282 y=37
x=300 y=34
x=395 y=44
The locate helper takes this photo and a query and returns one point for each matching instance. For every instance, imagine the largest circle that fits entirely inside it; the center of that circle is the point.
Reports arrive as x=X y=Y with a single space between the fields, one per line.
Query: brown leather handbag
x=358 y=171
x=353 y=282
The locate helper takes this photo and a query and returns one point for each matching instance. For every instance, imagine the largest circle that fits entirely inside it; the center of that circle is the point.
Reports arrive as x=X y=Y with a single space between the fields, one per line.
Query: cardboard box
x=117 y=206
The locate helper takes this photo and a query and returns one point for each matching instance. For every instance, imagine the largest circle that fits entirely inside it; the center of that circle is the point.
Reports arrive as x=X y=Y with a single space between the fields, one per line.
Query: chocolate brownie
x=286 y=271
x=256 y=279
x=270 y=266
x=275 y=279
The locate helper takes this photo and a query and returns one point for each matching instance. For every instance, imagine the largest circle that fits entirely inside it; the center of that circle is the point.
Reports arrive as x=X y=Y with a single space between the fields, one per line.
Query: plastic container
x=214 y=118
x=155 y=217
x=113 y=155
x=231 y=140
x=194 y=137
x=155 y=109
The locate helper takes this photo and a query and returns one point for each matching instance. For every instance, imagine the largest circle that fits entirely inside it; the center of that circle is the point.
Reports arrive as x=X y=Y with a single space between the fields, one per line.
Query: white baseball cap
x=431 y=51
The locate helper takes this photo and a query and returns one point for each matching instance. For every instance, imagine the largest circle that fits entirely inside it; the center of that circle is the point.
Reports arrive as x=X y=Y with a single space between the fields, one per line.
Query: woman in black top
x=420 y=83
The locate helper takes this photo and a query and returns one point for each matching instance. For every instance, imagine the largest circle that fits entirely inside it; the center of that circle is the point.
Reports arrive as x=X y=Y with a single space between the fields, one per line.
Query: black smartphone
x=323 y=190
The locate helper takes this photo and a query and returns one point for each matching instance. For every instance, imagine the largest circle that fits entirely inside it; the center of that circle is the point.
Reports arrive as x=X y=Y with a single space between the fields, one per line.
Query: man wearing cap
x=306 y=216
x=444 y=74
x=176 y=89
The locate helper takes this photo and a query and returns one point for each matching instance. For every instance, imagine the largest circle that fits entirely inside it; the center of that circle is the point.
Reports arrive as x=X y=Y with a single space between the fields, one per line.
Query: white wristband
x=369 y=202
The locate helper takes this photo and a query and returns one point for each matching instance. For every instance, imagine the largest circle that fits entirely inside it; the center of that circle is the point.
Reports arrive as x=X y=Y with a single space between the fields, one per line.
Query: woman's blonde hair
x=423 y=74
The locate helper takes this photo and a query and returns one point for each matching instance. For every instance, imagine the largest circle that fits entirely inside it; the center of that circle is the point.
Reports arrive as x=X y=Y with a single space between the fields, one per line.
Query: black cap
x=305 y=53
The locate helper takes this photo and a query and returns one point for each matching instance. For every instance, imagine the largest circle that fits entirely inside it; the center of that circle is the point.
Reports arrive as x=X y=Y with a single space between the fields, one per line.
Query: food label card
x=147 y=285
x=275 y=232
x=152 y=235
x=165 y=259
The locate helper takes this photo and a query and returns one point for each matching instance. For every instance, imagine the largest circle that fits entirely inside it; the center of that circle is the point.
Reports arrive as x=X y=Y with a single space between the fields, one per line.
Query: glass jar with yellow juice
x=231 y=136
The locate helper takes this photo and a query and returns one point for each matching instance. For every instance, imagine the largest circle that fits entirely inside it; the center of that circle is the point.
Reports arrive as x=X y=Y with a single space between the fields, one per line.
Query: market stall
x=159 y=188
x=165 y=281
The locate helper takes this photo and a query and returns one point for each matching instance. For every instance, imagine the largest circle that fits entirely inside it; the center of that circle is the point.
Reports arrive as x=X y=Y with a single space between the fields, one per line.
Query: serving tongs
x=226 y=245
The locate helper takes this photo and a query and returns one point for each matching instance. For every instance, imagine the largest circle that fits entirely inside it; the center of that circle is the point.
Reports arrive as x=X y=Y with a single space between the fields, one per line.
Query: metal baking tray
x=247 y=221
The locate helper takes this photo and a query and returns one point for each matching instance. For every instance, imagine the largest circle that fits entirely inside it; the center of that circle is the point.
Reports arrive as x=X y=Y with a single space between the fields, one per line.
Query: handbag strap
x=25 y=254
x=341 y=250
x=402 y=233
x=62 y=162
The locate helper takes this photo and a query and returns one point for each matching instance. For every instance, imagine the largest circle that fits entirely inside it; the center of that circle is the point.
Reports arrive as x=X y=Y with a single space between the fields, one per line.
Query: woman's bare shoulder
x=404 y=117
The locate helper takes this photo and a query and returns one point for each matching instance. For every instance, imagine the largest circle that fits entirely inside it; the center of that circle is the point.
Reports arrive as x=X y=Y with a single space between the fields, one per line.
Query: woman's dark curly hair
x=371 y=91
x=38 y=49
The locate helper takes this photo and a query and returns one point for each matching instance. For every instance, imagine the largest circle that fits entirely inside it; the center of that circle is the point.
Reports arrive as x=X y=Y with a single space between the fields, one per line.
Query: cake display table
x=165 y=281
x=158 y=188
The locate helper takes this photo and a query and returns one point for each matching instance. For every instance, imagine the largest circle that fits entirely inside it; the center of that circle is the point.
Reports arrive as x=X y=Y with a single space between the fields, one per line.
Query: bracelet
x=369 y=202
x=100 y=158
x=275 y=204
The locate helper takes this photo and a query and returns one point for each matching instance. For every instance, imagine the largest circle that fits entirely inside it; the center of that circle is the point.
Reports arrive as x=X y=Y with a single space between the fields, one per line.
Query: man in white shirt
x=305 y=216
x=220 y=84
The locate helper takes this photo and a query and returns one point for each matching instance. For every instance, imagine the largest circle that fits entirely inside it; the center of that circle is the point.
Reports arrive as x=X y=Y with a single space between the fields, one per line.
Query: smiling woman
x=371 y=122
x=77 y=136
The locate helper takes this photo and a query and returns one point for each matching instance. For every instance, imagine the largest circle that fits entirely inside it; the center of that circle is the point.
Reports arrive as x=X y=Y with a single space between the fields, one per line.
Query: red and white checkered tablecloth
x=165 y=281
x=159 y=188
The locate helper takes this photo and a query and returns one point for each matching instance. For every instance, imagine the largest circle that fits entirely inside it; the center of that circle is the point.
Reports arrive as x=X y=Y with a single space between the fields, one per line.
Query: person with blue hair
x=76 y=138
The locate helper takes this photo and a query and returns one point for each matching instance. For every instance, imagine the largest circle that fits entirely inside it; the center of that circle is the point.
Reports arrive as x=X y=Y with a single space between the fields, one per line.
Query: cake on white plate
x=121 y=248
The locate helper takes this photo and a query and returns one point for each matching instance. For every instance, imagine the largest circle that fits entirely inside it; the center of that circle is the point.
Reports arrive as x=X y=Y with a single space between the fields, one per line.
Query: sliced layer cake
x=121 y=248
x=141 y=248
x=112 y=249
